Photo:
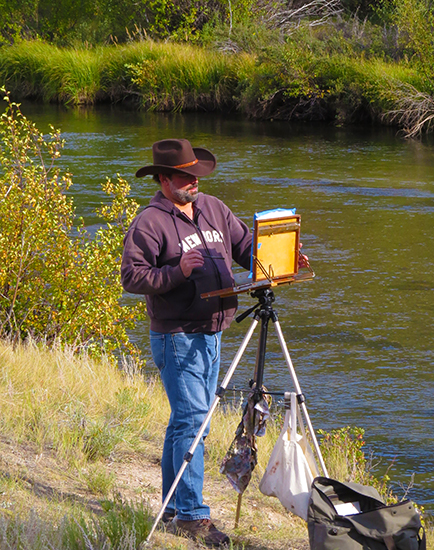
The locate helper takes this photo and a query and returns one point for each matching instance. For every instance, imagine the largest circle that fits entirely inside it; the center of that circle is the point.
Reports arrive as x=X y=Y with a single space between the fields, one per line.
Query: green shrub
x=181 y=77
x=56 y=282
x=97 y=479
x=122 y=525
x=344 y=456
x=415 y=20
x=343 y=453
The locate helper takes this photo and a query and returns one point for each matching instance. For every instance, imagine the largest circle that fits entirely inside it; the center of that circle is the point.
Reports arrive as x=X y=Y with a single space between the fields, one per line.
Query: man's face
x=180 y=188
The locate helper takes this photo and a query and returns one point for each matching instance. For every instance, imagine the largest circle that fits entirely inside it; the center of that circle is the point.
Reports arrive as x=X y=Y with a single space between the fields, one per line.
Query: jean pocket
x=157 y=349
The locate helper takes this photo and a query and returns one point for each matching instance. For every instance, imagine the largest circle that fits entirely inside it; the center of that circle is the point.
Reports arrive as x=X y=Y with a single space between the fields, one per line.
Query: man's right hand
x=191 y=259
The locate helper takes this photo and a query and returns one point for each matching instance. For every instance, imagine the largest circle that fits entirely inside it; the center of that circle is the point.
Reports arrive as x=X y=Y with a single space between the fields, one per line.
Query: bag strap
x=293 y=416
x=389 y=542
x=300 y=422
x=285 y=427
x=296 y=415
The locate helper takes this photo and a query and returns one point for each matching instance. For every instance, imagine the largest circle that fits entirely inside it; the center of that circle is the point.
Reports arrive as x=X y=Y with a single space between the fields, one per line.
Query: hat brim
x=205 y=165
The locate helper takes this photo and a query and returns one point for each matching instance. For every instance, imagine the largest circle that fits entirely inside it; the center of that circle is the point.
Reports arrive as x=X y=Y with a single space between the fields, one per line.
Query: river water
x=360 y=334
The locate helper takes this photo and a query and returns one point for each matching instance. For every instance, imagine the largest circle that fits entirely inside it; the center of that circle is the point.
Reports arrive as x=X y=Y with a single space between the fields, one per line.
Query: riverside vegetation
x=333 y=60
x=81 y=428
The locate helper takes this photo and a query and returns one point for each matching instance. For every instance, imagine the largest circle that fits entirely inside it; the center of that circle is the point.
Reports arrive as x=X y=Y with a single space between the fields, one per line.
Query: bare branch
x=316 y=11
x=408 y=488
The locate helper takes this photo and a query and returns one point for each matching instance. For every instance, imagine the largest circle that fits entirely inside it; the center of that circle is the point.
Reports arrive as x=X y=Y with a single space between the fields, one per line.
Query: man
x=177 y=248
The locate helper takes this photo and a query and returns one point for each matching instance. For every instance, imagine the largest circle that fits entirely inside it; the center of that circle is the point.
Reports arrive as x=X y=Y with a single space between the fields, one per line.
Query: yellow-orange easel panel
x=275 y=248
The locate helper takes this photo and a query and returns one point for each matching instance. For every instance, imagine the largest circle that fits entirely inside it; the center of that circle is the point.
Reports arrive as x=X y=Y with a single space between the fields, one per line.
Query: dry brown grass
x=46 y=474
x=414 y=111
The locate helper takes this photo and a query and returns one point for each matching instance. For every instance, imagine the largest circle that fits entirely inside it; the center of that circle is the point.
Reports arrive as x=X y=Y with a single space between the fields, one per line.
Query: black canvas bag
x=376 y=527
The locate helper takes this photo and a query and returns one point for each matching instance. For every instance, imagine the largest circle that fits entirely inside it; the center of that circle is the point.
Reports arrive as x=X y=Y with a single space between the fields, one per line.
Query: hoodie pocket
x=173 y=304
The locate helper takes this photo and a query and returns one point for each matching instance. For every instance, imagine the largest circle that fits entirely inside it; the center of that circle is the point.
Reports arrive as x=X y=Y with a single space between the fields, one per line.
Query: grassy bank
x=79 y=452
x=305 y=77
x=152 y=75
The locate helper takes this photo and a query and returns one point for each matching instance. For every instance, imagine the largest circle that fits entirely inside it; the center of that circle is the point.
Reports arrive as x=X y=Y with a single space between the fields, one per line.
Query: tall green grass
x=159 y=76
x=172 y=76
x=37 y=70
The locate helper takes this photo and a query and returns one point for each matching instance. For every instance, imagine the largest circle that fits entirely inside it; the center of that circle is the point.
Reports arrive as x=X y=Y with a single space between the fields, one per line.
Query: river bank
x=79 y=456
x=303 y=78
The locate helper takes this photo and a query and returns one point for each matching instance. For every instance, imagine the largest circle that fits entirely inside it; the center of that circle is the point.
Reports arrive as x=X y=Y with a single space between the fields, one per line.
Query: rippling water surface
x=360 y=335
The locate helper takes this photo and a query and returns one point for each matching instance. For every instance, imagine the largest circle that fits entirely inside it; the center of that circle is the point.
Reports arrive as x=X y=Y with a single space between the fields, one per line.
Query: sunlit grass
x=77 y=406
x=76 y=75
x=89 y=409
x=161 y=76
x=37 y=69
x=123 y=526
x=282 y=81
x=171 y=76
x=85 y=416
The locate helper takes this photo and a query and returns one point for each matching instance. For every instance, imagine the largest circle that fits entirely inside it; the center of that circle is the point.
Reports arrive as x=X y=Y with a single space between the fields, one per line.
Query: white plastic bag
x=292 y=467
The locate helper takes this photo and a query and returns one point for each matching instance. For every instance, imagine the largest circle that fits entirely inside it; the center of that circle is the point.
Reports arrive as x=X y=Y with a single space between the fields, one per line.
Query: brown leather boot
x=166 y=523
x=202 y=530
x=167 y=517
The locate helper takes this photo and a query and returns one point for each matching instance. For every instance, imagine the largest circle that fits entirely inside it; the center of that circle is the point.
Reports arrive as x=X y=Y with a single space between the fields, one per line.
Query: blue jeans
x=189 y=366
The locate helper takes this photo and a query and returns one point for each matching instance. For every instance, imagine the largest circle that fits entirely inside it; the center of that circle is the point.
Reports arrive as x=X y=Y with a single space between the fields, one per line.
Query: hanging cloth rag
x=241 y=457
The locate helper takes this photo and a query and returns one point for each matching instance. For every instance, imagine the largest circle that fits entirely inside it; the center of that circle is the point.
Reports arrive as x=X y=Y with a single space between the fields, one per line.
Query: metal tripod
x=263 y=311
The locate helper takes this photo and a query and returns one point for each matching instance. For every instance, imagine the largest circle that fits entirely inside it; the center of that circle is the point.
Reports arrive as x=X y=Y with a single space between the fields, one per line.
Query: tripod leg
x=299 y=392
x=189 y=454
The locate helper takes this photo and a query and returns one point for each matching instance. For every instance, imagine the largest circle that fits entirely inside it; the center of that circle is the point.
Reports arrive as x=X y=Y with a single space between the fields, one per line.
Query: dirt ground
x=39 y=478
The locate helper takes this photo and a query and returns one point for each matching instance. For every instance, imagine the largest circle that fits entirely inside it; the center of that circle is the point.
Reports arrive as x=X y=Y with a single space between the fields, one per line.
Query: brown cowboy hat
x=174 y=156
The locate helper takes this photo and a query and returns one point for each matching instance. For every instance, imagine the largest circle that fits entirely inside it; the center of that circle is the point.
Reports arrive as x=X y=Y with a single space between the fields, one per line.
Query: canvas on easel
x=276 y=240
x=275 y=253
